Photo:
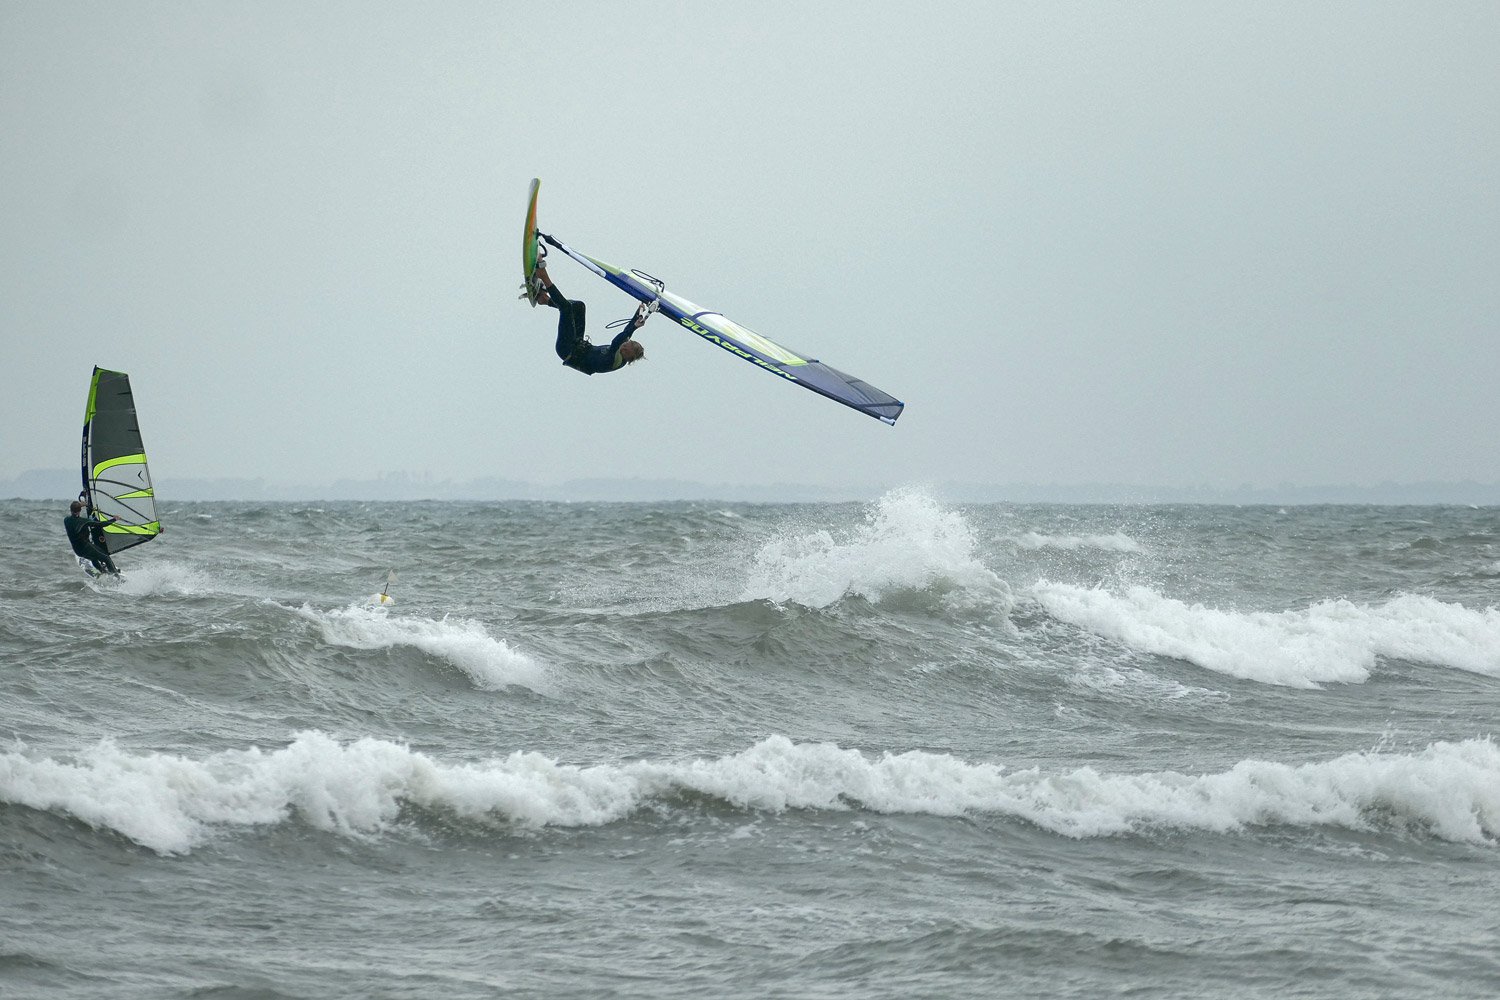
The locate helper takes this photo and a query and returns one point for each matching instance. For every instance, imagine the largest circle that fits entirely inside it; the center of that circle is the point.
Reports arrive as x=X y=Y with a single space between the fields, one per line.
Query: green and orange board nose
x=528 y=241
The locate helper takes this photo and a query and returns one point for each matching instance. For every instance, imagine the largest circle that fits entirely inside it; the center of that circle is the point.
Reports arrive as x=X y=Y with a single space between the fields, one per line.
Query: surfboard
x=528 y=242
x=97 y=576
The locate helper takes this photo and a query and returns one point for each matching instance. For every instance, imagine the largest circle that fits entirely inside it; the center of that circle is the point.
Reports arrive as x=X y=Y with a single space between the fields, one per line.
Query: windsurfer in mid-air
x=573 y=347
x=82 y=536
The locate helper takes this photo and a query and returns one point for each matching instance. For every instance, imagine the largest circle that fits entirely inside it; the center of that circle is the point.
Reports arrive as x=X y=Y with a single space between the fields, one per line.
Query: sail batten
x=116 y=479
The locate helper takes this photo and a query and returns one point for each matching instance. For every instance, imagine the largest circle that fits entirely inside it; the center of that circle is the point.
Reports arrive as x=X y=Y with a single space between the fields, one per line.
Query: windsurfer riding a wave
x=573 y=347
x=82 y=535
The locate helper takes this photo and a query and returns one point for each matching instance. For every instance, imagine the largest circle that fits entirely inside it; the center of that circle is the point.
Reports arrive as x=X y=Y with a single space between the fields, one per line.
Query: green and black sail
x=116 y=482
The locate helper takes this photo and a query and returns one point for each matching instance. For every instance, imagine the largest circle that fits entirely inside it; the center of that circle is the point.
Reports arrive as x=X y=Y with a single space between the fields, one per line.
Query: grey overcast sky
x=1170 y=243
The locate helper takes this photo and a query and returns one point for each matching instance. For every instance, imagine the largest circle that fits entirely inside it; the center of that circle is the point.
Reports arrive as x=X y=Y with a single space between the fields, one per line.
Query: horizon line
x=42 y=484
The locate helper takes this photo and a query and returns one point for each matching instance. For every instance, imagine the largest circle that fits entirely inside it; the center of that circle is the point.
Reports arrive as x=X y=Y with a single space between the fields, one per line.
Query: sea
x=899 y=748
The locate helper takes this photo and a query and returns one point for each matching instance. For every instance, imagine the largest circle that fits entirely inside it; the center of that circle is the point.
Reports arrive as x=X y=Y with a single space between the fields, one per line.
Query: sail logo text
x=732 y=347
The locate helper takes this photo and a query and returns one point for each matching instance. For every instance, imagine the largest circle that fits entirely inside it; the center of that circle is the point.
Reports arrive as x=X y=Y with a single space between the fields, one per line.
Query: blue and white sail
x=716 y=328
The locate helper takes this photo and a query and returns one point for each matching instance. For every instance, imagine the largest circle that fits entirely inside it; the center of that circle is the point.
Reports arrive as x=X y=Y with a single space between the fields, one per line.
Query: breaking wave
x=171 y=804
x=1330 y=642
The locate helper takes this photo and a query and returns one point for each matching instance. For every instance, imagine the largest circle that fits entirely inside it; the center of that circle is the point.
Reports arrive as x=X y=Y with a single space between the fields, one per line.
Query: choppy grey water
x=681 y=750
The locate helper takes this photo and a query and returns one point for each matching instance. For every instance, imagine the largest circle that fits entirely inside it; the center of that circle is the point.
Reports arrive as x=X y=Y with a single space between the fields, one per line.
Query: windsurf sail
x=116 y=482
x=716 y=328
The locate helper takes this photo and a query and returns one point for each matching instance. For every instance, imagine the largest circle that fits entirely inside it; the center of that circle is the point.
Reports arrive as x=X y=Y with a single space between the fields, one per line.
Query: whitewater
x=889 y=749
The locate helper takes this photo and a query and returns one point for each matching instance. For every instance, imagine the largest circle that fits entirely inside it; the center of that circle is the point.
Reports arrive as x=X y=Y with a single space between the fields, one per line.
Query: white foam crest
x=1332 y=641
x=159 y=578
x=171 y=804
x=491 y=663
x=907 y=542
x=1117 y=542
x=1451 y=789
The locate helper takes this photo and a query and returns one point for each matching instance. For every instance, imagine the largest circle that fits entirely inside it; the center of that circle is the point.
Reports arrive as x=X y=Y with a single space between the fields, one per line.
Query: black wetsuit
x=574 y=348
x=81 y=536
